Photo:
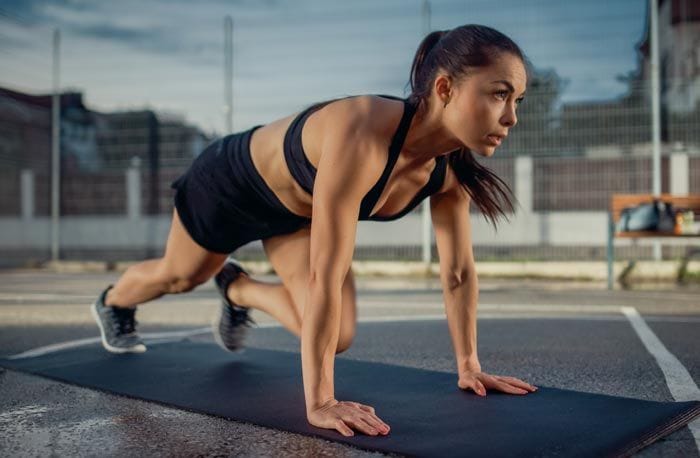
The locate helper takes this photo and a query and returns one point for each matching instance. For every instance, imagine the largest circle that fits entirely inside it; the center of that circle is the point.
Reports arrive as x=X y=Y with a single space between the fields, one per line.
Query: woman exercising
x=301 y=184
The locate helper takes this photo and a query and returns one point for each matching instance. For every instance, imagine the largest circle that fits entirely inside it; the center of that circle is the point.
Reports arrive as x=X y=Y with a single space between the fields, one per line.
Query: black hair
x=454 y=52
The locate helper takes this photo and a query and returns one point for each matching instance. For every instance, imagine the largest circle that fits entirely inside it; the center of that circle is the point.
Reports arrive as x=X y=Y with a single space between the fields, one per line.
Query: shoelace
x=239 y=316
x=124 y=322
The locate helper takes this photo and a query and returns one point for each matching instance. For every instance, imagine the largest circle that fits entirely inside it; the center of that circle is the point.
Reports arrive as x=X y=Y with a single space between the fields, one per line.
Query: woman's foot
x=232 y=323
x=117 y=326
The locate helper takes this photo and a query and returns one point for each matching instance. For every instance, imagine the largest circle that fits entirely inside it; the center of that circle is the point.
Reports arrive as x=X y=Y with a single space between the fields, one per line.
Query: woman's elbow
x=456 y=277
x=326 y=278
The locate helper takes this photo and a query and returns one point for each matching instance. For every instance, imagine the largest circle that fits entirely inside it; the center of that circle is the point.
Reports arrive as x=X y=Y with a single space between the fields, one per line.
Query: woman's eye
x=502 y=94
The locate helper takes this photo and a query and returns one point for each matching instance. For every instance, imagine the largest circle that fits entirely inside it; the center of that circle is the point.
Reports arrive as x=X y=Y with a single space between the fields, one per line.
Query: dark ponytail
x=455 y=52
x=488 y=191
x=419 y=60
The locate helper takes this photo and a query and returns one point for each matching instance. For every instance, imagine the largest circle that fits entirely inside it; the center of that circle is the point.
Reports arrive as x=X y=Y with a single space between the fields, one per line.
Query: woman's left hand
x=481 y=381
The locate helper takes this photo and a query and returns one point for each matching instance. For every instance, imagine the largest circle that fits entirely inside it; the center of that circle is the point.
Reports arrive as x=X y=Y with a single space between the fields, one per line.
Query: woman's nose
x=509 y=119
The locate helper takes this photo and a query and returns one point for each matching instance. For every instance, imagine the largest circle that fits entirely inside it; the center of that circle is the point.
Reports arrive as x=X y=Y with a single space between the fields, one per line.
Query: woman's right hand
x=345 y=416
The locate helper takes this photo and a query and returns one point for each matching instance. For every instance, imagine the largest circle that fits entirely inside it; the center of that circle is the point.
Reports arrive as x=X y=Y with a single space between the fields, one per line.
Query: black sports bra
x=304 y=172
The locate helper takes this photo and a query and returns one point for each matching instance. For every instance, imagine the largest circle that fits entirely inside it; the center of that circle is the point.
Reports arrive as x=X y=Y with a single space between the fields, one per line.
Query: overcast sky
x=168 y=54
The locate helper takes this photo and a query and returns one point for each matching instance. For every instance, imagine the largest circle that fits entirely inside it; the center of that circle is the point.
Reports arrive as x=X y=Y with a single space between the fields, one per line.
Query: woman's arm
x=341 y=182
x=452 y=225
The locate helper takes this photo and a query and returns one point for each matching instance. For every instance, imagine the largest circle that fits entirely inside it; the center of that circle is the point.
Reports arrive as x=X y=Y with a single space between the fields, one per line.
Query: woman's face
x=482 y=107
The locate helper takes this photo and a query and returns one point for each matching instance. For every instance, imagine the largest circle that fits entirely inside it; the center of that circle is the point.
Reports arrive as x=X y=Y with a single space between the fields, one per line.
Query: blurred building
x=152 y=138
x=679 y=68
x=161 y=145
x=96 y=148
x=178 y=140
x=25 y=127
x=679 y=54
x=622 y=126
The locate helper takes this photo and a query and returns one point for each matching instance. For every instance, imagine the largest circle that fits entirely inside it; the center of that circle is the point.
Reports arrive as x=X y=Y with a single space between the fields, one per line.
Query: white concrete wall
x=85 y=232
x=565 y=228
x=132 y=230
x=115 y=232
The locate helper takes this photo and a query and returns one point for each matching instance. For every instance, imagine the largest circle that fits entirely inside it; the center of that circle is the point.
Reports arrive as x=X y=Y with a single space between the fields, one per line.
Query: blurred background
x=145 y=85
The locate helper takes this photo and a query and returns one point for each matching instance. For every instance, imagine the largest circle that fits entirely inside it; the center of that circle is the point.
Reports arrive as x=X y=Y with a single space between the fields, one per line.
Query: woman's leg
x=271 y=298
x=184 y=265
x=289 y=256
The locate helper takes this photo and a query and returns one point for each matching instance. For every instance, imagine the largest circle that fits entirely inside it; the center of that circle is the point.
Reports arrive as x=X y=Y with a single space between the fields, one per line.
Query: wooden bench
x=618 y=202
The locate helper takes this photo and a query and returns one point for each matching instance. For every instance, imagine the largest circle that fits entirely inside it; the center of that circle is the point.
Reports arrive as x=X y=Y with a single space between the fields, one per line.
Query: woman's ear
x=443 y=88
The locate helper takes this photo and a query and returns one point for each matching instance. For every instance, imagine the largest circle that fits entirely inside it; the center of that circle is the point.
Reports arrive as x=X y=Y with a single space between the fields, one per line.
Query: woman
x=302 y=194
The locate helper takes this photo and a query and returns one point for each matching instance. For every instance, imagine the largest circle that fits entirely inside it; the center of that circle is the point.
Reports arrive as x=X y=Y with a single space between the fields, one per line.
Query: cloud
x=117 y=33
x=23 y=12
x=289 y=53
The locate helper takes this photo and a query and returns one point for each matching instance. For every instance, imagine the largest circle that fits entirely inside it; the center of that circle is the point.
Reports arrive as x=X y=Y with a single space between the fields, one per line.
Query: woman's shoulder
x=371 y=114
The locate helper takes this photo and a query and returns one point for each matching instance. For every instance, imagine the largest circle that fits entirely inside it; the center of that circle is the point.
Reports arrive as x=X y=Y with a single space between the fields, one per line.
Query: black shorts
x=224 y=203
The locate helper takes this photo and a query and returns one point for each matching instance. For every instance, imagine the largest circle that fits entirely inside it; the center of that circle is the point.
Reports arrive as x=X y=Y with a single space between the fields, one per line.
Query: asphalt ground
x=575 y=336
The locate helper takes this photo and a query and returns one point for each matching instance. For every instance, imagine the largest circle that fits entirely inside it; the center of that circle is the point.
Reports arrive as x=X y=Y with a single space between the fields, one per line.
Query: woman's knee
x=348 y=315
x=181 y=285
x=343 y=346
x=345 y=339
x=347 y=330
x=182 y=282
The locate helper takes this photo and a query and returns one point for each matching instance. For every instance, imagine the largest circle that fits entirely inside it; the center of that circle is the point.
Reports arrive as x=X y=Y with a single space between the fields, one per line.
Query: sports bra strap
x=304 y=171
x=397 y=141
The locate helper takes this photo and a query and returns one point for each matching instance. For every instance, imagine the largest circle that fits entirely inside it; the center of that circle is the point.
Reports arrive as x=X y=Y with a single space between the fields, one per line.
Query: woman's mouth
x=494 y=140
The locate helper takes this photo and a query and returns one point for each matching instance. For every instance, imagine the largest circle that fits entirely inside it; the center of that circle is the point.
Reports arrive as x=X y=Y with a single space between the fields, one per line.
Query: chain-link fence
x=564 y=160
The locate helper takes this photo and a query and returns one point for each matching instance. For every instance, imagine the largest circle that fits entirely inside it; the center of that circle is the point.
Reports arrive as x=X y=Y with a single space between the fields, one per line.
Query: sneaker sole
x=217 y=335
x=140 y=348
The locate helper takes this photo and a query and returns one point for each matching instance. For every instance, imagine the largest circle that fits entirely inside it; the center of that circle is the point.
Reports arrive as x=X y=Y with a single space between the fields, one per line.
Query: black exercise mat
x=428 y=414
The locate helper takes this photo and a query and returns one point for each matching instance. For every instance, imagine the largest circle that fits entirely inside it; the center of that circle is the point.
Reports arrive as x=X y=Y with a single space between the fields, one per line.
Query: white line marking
x=91 y=340
x=54 y=347
x=679 y=381
x=159 y=337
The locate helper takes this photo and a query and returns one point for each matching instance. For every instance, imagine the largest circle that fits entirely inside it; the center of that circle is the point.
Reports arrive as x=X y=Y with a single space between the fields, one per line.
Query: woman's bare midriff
x=267 y=153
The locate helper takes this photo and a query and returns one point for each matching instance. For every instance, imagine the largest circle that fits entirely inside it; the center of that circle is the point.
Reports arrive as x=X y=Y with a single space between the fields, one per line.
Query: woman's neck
x=427 y=137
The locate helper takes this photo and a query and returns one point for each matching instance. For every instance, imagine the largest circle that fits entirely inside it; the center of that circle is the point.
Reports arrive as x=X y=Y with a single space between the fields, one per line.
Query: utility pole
x=55 y=149
x=655 y=108
x=425 y=210
x=228 y=74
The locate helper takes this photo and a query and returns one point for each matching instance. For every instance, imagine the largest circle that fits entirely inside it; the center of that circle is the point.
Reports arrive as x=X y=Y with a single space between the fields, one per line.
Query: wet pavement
x=565 y=335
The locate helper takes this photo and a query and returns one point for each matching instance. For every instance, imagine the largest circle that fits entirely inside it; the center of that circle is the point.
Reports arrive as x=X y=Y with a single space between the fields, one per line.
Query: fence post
x=133 y=189
x=680 y=171
x=610 y=252
x=27 y=194
x=524 y=184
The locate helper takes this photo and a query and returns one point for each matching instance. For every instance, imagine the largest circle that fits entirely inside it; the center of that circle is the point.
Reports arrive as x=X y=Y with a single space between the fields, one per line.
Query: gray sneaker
x=231 y=325
x=117 y=326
